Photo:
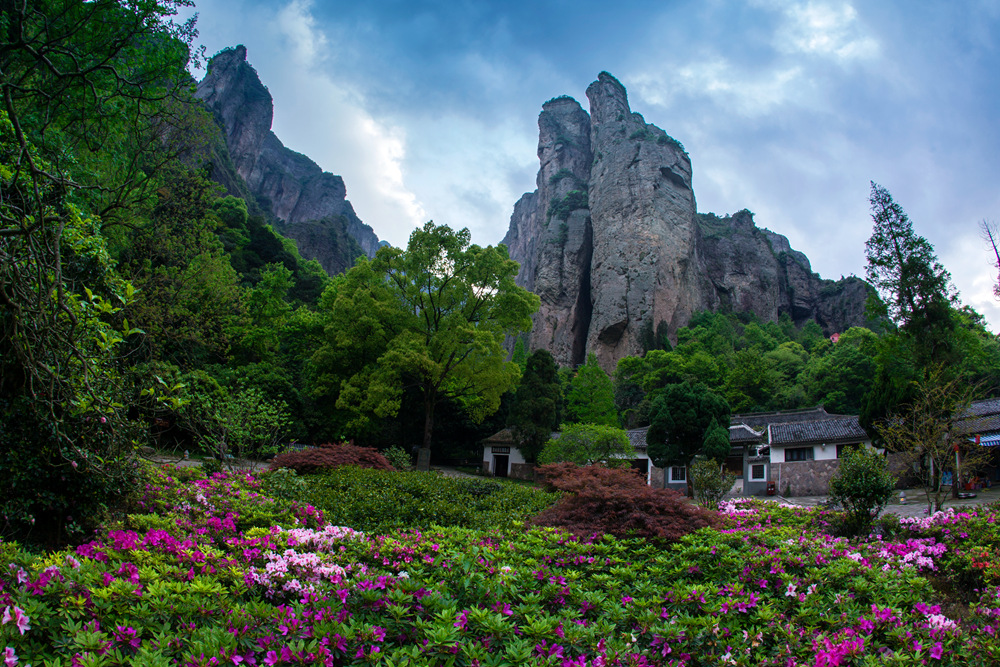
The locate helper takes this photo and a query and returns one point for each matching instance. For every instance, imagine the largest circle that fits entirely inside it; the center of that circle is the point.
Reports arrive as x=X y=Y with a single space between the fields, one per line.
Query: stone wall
x=804 y=478
x=524 y=471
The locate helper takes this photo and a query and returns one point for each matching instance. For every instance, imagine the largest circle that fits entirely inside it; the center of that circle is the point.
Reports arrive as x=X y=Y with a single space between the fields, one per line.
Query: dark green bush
x=380 y=501
x=52 y=493
x=862 y=486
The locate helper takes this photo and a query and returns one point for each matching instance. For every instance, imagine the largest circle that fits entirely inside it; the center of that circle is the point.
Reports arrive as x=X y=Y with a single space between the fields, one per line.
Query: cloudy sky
x=428 y=109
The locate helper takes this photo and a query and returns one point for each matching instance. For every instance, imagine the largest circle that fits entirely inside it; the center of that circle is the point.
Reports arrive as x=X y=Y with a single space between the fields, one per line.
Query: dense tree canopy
x=434 y=317
x=536 y=410
x=590 y=398
x=684 y=422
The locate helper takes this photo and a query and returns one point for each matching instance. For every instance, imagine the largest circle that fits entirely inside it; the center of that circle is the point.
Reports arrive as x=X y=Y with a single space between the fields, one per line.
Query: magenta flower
x=9 y=657
x=19 y=618
x=937 y=651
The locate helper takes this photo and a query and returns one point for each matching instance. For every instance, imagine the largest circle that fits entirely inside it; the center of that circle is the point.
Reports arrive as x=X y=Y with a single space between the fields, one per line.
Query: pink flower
x=9 y=657
x=937 y=651
x=19 y=618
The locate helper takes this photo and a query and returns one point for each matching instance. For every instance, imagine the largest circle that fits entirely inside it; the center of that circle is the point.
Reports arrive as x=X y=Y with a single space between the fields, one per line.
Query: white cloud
x=296 y=23
x=746 y=92
x=825 y=29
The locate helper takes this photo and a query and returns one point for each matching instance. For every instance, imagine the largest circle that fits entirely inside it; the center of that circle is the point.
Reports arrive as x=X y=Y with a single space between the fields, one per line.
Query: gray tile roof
x=637 y=436
x=760 y=420
x=836 y=430
x=982 y=417
x=744 y=434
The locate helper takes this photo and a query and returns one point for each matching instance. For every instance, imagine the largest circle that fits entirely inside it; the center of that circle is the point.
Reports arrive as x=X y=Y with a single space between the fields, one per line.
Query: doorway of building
x=500 y=462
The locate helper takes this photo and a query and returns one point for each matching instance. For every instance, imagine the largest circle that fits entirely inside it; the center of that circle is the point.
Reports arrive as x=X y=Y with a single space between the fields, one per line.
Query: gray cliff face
x=290 y=185
x=632 y=254
x=645 y=264
x=551 y=229
x=234 y=93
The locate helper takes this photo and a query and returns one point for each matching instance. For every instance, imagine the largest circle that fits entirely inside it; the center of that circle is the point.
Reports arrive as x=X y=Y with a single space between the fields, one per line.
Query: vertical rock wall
x=310 y=204
x=612 y=242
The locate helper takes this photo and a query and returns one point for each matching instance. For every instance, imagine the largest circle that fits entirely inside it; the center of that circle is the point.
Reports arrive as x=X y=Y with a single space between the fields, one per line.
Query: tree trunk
x=424 y=461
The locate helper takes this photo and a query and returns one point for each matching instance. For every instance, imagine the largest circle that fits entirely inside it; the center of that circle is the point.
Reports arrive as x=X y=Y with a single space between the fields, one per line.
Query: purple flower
x=937 y=651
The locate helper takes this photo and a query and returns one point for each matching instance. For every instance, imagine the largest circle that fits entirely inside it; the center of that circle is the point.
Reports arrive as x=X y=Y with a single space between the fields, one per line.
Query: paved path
x=916 y=501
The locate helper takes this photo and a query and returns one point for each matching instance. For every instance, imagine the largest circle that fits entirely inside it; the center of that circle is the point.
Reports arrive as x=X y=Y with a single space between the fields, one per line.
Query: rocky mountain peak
x=613 y=244
x=311 y=205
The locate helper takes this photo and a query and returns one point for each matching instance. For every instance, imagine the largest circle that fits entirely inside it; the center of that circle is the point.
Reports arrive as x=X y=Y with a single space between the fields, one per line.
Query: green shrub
x=862 y=486
x=711 y=482
x=380 y=501
x=398 y=458
x=282 y=483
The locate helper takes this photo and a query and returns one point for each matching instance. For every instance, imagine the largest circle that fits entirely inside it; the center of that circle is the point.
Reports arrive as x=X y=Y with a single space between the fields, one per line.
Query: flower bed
x=219 y=574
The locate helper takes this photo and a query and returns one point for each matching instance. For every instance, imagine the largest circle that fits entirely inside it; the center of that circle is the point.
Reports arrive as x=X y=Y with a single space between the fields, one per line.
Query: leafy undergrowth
x=379 y=501
x=206 y=579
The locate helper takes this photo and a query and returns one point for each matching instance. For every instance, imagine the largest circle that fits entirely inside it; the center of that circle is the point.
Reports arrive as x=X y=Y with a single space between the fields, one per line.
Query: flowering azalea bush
x=217 y=573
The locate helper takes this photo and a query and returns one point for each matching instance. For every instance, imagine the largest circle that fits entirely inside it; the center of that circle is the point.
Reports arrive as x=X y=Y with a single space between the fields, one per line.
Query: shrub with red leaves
x=329 y=456
x=618 y=502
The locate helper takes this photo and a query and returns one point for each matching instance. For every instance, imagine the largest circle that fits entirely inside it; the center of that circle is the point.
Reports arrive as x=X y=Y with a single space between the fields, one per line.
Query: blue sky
x=429 y=109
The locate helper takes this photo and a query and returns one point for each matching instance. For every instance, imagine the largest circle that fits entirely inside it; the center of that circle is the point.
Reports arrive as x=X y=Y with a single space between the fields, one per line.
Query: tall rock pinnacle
x=644 y=269
x=613 y=244
x=311 y=204
x=551 y=230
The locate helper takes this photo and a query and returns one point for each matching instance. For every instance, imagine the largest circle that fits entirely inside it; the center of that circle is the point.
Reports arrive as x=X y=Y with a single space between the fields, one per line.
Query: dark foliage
x=680 y=421
x=330 y=456
x=537 y=407
x=617 y=502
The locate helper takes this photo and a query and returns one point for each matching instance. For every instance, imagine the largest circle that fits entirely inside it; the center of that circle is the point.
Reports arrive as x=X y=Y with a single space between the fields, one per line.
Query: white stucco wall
x=820 y=453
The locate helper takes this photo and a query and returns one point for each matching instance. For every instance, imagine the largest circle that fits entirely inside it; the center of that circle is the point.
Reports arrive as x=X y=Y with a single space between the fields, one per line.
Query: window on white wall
x=758 y=472
x=799 y=454
x=678 y=474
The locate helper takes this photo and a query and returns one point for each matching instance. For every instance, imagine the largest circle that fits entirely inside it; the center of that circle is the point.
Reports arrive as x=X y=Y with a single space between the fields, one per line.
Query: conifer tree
x=537 y=408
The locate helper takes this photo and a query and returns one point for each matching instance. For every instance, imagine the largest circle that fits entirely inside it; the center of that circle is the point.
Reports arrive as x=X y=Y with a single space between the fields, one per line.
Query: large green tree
x=536 y=410
x=89 y=91
x=916 y=300
x=684 y=422
x=587 y=444
x=590 y=398
x=913 y=285
x=433 y=317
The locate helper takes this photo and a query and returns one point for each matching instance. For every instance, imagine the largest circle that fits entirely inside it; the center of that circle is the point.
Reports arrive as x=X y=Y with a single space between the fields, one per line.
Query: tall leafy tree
x=684 y=422
x=432 y=317
x=587 y=444
x=590 y=398
x=915 y=298
x=537 y=407
x=902 y=266
x=86 y=99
